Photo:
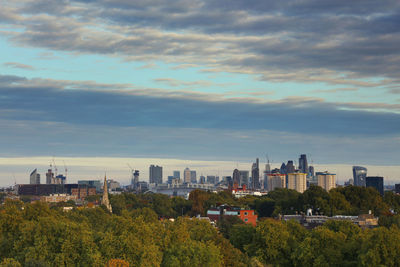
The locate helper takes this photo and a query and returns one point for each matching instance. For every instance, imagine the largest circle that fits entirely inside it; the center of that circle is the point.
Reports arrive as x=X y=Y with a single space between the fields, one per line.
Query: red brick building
x=247 y=216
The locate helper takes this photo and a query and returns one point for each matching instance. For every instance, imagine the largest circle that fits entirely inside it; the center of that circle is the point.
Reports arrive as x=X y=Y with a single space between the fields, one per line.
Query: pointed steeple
x=104 y=200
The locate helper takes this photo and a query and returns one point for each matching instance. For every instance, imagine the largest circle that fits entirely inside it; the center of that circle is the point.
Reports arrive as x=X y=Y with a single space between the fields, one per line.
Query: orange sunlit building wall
x=248 y=216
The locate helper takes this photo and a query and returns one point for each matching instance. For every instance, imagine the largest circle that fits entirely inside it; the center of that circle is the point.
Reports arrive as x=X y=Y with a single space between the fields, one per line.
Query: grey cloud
x=124 y=107
x=259 y=37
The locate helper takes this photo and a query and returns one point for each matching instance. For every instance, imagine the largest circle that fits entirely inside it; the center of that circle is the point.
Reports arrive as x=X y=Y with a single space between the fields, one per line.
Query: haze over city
x=198 y=83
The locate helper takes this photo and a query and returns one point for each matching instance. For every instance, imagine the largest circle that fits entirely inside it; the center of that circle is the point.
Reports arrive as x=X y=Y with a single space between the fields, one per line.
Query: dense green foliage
x=139 y=232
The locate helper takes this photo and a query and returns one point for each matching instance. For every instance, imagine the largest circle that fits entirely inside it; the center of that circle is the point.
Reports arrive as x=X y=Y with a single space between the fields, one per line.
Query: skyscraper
x=244 y=178
x=255 y=175
x=155 y=174
x=303 y=165
x=193 y=177
x=375 y=182
x=290 y=168
x=359 y=174
x=236 y=177
x=177 y=174
x=187 y=175
x=34 y=177
x=49 y=177
x=326 y=180
x=283 y=168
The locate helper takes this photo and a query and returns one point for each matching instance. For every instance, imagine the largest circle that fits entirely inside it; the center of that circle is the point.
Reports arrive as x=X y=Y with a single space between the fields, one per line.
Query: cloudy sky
x=200 y=81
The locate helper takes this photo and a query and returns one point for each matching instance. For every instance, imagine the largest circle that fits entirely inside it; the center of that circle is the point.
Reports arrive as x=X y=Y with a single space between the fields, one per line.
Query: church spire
x=104 y=200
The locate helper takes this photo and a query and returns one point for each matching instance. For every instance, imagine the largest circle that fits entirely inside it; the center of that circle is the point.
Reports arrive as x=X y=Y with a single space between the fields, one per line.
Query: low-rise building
x=246 y=215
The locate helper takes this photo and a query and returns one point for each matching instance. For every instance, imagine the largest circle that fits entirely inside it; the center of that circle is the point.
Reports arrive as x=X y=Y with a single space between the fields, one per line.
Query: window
x=245 y=213
x=246 y=219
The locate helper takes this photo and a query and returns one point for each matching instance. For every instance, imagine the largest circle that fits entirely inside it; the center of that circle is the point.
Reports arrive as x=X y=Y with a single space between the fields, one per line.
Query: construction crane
x=55 y=167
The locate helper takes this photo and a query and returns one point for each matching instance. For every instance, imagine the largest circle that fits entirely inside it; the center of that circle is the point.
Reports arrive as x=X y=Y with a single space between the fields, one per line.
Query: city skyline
x=116 y=168
x=202 y=80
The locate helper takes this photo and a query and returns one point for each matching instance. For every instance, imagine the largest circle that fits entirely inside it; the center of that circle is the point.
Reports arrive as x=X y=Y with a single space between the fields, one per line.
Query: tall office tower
x=283 y=168
x=211 y=179
x=375 y=182
x=359 y=174
x=49 y=177
x=244 y=178
x=155 y=174
x=297 y=181
x=326 y=180
x=236 y=177
x=290 y=168
x=202 y=179
x=193 y=177
x=135 y=179
x=170 y=178
x=216 y=179
x=276 y=180
x=311 y=171
x=34 y=177
x=266 y=172
x=303 y=165
x=177 y=174
x=186 y=175
x=255 y=175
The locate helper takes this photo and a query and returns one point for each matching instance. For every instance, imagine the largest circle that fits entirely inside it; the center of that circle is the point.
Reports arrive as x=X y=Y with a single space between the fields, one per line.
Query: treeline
x=139 y=233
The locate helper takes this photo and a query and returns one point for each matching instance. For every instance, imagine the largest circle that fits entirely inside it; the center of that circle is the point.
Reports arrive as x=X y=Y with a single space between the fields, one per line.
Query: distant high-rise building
x=359 y=175
x=177 y=174
x=276 y=180
x=397 y=188
x=297 y=181
x=303 y=165
x=155 y=174
x=193 y=177
x=211 y=179
x=34 y=177
x=170 y=178
x=187 y=175
x=236 y=177
x=311 y=171
x=290 y=168
x=135 y=179
x=375 y=182
x=326 y=180
x=283 y=168
x=244 y=178
x=49 y=177
x=91 y=183
x=202 y=179
x=255 y=175
x=266 y=172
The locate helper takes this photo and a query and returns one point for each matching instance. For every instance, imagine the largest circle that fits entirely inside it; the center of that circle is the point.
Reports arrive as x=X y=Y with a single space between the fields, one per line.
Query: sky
x=187 y=81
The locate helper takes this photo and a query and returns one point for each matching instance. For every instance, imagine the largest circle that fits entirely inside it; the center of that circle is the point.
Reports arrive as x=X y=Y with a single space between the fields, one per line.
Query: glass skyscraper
x=359 y=175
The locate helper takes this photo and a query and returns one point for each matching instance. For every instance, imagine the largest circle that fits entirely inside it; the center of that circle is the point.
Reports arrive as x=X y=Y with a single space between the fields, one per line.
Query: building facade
x=34 y=177
x=155 y=174
x=359 y=175
x=375 y=182
x=326 y=180
x=276 y=180
x=297 y=181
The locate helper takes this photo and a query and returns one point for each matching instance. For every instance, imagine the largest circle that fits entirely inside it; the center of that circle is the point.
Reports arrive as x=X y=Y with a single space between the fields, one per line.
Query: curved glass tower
x=359 y=174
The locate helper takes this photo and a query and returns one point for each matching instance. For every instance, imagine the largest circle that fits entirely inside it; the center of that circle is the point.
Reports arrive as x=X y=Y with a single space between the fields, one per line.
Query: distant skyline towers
x=177 y=174
x=311 y=171
x=375 y=182
x=255 y=175
x=290 y=168
x=187 y=175
x=34 y=177
x=202 y=179
x=49 y=177
x=297 y=181
x=244 y=178
x=135 y=179
x=193 y=177
x=104 y=200
x=155 y=174
x=211 y=179
x=326 y=180
x=276 y=180
x=236 y=177
x=303 y=164
x=359 y=175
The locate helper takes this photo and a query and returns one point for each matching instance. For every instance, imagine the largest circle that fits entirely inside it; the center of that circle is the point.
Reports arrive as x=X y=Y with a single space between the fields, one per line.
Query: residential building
x=276 y=180
x=326 y=180
x=297 y=181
